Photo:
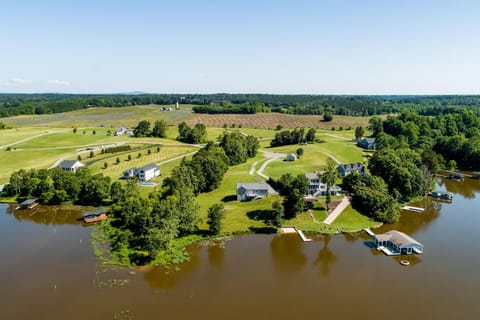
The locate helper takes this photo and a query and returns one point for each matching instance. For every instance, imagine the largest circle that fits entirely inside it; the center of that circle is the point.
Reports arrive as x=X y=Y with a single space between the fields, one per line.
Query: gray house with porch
x=251 y=191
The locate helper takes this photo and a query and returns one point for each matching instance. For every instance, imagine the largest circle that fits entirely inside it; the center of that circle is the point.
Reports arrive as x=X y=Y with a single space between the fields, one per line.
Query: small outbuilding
x=291 y=157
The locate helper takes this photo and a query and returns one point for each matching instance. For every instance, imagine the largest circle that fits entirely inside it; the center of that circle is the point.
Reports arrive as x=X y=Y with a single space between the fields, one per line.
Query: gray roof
x=95 y=212
x=400 y=239
x=28 y=202
x=149 y=167
x=351 y=166
x=68 y=163
x=252 y=186
x=311 y=176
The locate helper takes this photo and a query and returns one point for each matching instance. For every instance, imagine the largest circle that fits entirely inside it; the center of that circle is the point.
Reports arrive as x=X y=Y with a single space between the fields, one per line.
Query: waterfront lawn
x=239 y=216
x=349 y=220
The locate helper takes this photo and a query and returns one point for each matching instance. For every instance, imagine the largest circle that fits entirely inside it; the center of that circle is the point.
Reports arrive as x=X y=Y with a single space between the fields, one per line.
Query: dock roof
x=95 y=212
x=400 y=239
x=28 y=202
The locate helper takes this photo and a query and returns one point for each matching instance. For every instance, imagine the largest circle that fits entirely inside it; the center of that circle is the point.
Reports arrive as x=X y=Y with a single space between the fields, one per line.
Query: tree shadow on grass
x=229 y=198
x=263 y=230
x=260 y=215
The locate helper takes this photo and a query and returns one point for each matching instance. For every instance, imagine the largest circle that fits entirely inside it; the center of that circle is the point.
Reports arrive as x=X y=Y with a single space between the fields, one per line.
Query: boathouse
x=396 y=243
x=442 y=195
x=94 y=215
x=28 y=204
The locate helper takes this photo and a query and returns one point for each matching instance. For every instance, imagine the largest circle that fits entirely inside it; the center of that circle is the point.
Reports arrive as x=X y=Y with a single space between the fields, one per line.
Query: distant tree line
x=16 y=104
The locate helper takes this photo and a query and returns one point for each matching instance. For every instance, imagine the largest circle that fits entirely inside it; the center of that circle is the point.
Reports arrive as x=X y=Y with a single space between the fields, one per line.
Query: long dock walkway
x=297 y=231
x=336 y=212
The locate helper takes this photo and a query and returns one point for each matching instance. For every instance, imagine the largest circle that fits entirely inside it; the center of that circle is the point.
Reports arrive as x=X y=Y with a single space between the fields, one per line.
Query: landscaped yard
x=115 y=171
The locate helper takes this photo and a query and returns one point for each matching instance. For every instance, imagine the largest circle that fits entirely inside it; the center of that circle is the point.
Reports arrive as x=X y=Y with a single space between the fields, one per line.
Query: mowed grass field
x=11 y=161
x=97 y=117
x=8 y=136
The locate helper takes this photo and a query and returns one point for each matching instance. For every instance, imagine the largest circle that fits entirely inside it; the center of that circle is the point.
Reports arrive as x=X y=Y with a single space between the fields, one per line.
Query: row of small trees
x=294 y=136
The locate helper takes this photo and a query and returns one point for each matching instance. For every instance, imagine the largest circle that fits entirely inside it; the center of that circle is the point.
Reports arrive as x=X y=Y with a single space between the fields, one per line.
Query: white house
x=124 y=130
x=317 y=188
x=70 y=165
x=144 y=174
x=251 y=191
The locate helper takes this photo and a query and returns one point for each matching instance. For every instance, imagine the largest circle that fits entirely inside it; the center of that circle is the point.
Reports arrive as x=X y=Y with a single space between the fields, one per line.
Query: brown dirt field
x=271 y=120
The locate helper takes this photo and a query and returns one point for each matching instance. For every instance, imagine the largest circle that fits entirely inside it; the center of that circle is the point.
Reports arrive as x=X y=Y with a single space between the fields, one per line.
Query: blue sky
x=316 y=47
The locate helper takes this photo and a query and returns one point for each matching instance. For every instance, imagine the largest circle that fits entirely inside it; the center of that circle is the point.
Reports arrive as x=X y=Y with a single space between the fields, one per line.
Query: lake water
x=48 y=271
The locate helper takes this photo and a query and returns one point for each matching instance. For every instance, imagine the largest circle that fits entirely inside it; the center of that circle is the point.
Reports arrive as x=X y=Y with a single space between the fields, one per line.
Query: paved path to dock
x=336 y=212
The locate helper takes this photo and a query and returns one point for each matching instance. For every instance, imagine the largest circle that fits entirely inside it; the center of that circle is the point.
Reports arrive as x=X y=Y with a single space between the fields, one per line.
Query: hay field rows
x=271 y=120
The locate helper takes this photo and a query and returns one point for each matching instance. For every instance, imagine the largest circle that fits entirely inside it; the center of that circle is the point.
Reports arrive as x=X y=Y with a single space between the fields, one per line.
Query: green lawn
x=8 y=136
x=239 y=216
x=70 y=139
x=11 y=161
x=349 y=220
x=309 y=162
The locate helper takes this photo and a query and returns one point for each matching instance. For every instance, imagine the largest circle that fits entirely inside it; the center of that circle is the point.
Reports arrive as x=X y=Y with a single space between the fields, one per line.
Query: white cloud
x=59 y=82
x=20 y=81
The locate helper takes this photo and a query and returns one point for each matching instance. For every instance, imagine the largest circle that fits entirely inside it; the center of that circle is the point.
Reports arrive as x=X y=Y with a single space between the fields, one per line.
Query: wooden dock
x=297 y=231
x=413 y=209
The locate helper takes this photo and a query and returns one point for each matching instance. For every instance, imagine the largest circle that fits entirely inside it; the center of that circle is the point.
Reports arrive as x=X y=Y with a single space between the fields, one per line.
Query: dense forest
x=16 y=104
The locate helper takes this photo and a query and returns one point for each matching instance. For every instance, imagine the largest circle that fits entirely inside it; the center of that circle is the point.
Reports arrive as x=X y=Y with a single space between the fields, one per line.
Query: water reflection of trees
x=216 y=253
x=326 y=258
x=287 y=253
x=47 y=215
x=410 y=222
x=171 y=276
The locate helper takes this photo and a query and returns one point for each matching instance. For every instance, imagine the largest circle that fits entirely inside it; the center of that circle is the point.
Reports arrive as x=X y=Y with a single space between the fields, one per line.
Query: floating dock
x=413 y=209
x=297 y=231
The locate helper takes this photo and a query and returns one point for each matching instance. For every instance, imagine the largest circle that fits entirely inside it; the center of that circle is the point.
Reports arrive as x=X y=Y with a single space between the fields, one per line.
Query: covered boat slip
x=28 y=204
x=94 y=215
x=396 y=243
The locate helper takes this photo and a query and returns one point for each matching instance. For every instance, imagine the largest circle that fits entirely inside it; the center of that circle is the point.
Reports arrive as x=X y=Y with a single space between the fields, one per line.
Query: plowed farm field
x=272 y=120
